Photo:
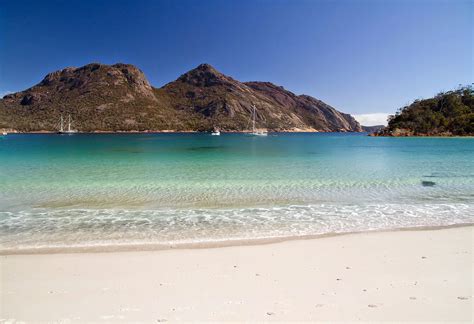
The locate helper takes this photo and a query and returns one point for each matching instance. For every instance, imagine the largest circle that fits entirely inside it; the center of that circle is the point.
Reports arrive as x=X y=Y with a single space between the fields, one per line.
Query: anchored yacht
x=256 y=132
x=68 y=130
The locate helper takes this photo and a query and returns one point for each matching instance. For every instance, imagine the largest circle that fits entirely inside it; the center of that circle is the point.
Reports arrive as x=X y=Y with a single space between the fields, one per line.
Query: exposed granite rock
x=119 y=97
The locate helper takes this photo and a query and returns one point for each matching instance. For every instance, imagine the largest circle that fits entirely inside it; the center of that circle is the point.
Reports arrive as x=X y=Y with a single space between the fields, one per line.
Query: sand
x=395 y=276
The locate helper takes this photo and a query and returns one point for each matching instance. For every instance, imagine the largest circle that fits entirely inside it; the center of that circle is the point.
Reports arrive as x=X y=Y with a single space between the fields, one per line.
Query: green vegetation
x=448 y=113
x=118 y=97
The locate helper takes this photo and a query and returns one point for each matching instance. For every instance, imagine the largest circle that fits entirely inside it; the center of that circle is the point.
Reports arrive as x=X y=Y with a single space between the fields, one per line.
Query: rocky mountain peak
x=124 y=79
x=205 y=75
x=207 y=67
x=96 y=72
x=119 y=97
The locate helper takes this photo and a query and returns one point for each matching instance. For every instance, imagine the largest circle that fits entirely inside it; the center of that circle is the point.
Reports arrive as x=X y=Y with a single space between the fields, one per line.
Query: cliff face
x=119 y=97
x=305 y=111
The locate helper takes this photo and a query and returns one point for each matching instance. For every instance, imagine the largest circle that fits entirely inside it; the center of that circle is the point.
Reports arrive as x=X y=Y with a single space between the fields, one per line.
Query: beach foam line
x=59 y=231
x=131 y=247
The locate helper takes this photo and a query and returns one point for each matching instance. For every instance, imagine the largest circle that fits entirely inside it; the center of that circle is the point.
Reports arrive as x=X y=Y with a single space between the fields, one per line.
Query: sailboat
x=216 y=132
x=68 y=130
x=256 y=132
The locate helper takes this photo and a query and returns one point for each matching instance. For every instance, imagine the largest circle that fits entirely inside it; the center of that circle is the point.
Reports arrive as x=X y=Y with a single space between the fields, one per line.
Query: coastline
x=415 y=275
x=171 y=131
x=422 y=136
x=289 y=131
x=149 y=247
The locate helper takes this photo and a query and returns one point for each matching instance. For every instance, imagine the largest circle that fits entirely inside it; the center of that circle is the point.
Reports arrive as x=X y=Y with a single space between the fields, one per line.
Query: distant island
x=115 y=98
x=447 y=114
x=372 y=129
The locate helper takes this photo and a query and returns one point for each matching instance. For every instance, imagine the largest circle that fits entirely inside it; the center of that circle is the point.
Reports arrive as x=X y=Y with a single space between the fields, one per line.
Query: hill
x=372 y=129
x=448 y=113
x=118 y=97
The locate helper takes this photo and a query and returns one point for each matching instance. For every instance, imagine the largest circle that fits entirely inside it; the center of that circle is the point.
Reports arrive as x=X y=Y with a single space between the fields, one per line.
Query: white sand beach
x=422 y=275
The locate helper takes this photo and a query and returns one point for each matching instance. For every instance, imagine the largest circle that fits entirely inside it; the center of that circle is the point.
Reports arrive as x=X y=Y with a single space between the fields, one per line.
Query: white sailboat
x=216 y=132
x=68 y=130
x=256 y=132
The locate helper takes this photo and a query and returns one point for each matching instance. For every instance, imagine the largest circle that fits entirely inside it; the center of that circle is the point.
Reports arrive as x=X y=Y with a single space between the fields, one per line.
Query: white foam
x=71 y=228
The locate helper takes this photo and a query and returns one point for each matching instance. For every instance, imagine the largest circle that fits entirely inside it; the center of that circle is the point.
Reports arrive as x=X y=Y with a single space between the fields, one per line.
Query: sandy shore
x=397 y=276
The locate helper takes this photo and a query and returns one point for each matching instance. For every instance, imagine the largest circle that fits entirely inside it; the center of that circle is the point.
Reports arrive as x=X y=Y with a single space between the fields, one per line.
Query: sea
x=61 y=193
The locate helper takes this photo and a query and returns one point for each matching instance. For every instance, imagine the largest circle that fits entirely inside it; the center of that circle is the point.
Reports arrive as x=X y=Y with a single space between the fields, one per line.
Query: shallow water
x=105 y=190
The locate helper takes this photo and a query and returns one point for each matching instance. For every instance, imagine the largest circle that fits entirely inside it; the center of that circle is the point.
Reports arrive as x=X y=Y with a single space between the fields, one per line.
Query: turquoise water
x=161 y=189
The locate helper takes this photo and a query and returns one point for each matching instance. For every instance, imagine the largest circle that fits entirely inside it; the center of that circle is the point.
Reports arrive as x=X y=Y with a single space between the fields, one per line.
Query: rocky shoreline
x=409 y=133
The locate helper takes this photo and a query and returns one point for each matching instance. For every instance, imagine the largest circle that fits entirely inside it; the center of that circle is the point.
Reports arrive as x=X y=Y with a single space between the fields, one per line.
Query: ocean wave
x=73 y=228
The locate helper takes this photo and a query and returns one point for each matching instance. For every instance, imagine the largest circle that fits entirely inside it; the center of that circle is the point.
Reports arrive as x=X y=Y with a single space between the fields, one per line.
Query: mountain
x=448 y=113
x=372 y=129
x=118 y=97
x=98 y=97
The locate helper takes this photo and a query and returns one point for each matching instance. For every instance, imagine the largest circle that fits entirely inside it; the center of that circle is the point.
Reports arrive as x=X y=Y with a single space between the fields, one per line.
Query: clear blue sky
x=360 y=56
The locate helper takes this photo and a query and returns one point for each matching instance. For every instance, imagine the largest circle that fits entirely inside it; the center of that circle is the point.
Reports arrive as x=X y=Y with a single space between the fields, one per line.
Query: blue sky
x=360 y=56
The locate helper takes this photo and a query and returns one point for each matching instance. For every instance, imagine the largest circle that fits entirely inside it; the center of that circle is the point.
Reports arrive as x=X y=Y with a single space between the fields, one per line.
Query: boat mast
x=61 y=127
x=69 y=124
